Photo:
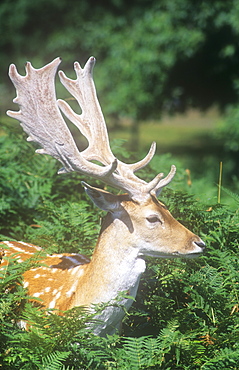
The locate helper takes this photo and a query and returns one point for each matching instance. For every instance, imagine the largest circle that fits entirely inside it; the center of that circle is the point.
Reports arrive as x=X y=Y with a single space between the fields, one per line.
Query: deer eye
x=153 y=219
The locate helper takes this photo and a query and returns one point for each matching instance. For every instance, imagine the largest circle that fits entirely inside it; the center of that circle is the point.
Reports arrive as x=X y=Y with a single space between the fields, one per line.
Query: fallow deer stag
x=137 y=224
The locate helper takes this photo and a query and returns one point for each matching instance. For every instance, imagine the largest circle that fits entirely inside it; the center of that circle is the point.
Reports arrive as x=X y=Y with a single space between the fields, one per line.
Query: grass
x=175 y=133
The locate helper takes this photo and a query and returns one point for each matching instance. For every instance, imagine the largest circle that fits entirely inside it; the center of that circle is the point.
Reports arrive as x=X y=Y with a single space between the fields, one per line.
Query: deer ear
x=102 y=199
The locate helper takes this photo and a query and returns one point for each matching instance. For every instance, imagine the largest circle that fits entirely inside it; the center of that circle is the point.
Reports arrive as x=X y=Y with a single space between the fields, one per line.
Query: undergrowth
x=185 y=316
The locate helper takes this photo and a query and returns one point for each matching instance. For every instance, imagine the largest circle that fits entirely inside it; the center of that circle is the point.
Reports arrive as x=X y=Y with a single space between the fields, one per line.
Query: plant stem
x=219 y=184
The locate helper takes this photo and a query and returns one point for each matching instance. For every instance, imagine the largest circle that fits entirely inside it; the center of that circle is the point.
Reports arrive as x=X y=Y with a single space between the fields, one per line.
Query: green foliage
x=54 y=361
x=72 y=226
x=22 y=185
x=185 y=316
x=30 y=204
x=148 y=352
x=11 y=291
x=224 y=359
x=229 y=130
x=49 y=342
x=228 y=134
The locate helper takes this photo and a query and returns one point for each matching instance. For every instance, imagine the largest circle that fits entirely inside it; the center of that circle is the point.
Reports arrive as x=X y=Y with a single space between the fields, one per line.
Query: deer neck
x=115 y=265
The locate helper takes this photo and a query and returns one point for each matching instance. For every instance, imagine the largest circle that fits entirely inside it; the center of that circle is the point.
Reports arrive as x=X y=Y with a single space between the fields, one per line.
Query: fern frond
x=224 y=359
x=54 y=360
x=234 y=196
x=134 y=348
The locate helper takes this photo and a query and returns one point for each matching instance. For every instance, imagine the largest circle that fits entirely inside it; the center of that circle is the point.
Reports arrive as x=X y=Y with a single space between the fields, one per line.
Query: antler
x=41 y=119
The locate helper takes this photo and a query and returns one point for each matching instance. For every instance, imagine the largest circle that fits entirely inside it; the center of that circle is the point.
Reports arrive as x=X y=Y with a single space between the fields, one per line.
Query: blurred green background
x=167 y=71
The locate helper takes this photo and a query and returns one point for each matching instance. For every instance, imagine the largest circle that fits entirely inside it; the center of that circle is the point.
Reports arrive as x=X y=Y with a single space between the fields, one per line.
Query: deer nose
x=201 y=244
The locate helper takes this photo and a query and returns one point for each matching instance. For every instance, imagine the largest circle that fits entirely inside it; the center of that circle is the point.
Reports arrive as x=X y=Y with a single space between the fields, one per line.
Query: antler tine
x=36 y=98
x=141 y=164
x=91 y=122
x=163 y=181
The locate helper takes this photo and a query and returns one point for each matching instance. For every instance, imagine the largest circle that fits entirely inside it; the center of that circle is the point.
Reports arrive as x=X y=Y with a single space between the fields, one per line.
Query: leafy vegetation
x=185 y=316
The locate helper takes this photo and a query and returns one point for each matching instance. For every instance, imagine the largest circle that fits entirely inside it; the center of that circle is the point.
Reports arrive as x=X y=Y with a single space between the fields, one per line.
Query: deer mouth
x=199 y=248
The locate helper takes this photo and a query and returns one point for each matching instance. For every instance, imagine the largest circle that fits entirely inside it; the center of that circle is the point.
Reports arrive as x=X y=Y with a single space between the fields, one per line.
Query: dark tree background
x=154 y=56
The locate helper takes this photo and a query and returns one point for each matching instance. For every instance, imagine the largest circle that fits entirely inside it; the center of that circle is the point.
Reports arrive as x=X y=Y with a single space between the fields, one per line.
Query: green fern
x=134 y=354
x=54 y=361
x=233 y=195
x=70 y=227
x=224 y=359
